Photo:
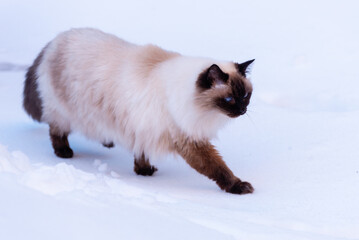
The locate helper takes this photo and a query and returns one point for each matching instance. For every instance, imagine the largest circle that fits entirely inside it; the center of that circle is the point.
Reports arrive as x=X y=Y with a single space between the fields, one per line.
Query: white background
x=298 y=144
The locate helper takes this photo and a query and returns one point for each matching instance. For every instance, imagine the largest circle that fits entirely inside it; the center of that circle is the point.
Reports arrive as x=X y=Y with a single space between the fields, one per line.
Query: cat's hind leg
x=143 y=166
x=60 y=142
x=108 y=144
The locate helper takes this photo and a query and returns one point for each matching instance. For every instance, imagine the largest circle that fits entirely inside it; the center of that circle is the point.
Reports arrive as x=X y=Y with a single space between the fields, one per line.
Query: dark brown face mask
x=232 y=101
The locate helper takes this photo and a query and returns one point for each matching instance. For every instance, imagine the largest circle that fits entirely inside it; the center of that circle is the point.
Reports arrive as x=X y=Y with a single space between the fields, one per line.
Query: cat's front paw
x=64 y=152
x=146 y=170
x=241 y=188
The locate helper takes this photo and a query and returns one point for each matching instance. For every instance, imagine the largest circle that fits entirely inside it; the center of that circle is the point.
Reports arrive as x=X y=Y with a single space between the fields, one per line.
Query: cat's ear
x=243 y=68
x=212 y=76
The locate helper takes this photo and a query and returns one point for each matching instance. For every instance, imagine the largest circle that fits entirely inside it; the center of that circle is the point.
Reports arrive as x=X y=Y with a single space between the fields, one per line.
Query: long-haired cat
x=147 y=99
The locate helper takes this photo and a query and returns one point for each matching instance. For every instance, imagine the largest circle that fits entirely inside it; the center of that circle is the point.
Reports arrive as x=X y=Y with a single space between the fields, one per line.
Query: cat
x=152 y=101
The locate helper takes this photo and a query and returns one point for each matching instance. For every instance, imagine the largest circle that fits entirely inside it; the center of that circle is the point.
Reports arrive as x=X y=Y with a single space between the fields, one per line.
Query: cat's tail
x=32 y=101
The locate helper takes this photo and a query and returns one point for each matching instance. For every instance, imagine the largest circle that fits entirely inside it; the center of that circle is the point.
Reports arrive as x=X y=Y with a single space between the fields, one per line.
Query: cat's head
x=225 y=88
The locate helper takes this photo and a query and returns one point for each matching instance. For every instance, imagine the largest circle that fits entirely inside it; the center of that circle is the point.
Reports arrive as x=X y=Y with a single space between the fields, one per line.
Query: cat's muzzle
x=242 y=111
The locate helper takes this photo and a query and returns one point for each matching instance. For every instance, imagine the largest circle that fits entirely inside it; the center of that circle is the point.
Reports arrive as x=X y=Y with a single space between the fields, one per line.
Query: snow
x=298 y=145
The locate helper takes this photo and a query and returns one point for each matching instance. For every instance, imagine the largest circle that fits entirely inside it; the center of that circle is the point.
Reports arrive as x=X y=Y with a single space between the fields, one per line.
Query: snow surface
x=298 y=145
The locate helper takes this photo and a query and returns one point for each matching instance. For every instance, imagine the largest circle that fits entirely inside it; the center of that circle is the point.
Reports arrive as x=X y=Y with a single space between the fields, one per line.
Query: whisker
x=250 y=119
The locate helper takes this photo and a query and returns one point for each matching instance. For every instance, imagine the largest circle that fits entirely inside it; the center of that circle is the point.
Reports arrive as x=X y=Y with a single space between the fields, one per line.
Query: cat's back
x=78 y=49
x=89 y=39
x=80 y=62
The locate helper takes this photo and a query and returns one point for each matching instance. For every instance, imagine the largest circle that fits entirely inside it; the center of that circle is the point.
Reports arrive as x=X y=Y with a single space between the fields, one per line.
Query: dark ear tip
x=210 y=76
x=242 y=68
x=214 y=66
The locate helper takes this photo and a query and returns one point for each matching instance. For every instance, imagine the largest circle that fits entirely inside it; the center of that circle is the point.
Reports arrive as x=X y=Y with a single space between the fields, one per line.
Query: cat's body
x=149 y=100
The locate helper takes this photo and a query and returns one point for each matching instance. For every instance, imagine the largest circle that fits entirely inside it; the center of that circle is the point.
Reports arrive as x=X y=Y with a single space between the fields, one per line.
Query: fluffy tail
x=32 y=102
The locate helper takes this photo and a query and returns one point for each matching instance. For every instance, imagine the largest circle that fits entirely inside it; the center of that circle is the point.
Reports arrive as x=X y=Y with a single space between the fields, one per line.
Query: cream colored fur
x=141 y=97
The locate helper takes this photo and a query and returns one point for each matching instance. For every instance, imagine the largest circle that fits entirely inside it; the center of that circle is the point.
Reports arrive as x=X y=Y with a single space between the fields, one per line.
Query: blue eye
x=228 y=99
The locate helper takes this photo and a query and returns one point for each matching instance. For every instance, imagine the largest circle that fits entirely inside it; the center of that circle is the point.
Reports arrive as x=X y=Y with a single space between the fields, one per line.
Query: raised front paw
x=241 y=188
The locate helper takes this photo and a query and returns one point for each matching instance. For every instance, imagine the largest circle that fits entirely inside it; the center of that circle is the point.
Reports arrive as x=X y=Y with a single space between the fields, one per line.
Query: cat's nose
x=243 y=111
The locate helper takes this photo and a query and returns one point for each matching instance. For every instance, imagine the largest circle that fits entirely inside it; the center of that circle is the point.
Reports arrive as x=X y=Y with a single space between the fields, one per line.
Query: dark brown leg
x=203 y=157
x=143 y=166
x=60 y=143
